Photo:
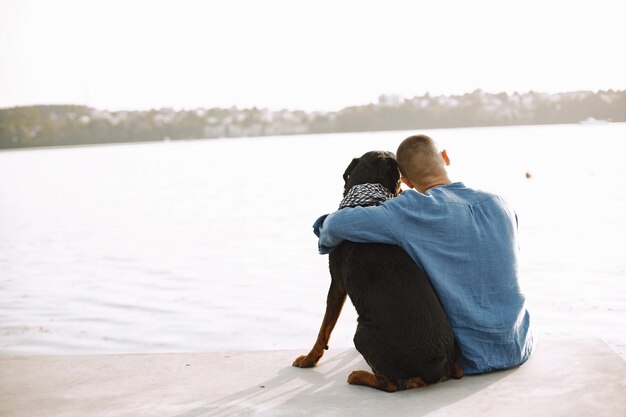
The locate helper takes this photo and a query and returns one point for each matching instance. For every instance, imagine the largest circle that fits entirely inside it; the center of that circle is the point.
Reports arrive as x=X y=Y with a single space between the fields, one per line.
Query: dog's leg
x=416 y=382
x=374 y=381
x=457 y=371
x=334 y=303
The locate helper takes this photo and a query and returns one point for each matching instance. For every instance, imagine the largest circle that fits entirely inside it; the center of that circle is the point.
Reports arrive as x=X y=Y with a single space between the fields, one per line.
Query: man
x=464 y=239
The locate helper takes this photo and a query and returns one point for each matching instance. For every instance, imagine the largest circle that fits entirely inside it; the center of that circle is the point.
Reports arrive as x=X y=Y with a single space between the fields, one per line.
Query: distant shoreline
x=130 y=143
x=71 y=125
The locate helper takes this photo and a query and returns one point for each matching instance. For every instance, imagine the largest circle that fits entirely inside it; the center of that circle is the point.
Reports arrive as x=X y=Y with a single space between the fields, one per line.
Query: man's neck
x=432 y=184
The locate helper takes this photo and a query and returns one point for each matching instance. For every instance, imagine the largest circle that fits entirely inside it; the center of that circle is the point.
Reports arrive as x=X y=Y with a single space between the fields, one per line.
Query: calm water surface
x=207 y=245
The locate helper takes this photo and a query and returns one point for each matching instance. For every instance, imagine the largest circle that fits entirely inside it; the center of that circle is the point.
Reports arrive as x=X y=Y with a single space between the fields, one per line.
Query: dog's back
x=402 y=329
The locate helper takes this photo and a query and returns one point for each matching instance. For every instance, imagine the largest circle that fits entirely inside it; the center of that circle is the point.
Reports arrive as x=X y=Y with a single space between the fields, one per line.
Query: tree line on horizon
x=62 y=125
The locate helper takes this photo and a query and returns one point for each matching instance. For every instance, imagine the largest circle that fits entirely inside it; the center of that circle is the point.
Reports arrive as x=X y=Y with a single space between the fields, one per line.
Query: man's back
x=466 y=241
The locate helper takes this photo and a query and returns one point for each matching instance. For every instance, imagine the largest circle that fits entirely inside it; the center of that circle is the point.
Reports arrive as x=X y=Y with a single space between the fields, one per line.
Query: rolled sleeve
x=325 y=243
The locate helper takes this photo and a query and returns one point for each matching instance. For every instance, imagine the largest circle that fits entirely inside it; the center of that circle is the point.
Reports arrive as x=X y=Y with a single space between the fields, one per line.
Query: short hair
x=418 y=158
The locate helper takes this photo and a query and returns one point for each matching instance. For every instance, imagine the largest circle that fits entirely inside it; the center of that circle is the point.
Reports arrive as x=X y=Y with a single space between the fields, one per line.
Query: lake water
x=207 y=245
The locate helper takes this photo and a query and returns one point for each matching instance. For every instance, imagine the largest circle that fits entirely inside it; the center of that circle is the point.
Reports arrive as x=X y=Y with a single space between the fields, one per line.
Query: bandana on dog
x=365 y=195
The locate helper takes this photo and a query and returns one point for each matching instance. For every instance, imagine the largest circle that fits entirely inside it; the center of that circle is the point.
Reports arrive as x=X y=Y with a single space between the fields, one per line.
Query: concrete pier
x=563 y=378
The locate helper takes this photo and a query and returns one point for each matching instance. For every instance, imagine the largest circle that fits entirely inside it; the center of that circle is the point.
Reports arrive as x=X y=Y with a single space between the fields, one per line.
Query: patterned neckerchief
x=365 y=195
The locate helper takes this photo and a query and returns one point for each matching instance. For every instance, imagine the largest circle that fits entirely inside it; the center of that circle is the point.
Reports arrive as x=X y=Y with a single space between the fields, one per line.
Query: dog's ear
x=394 y=169
x=395 y=175
x=353 y=164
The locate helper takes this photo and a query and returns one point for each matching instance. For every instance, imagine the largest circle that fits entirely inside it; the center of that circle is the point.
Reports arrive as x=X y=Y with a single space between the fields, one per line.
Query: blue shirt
x=466 y=242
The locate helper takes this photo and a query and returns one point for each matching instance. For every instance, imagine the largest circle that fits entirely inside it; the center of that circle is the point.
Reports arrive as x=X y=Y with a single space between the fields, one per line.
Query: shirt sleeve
x=375 y=224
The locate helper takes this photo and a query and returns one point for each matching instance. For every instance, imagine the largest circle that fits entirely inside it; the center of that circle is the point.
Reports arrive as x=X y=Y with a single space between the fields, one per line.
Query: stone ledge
x=563 y=378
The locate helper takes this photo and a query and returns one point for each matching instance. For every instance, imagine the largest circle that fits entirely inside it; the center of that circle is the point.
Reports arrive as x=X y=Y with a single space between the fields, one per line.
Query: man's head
x=421 y=164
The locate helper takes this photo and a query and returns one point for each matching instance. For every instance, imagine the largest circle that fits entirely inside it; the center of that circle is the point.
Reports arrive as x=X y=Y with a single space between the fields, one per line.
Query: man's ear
x=407 y=182
x=445 y=157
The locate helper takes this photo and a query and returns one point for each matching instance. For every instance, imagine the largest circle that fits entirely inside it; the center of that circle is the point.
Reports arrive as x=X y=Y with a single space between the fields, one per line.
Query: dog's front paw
x=305 y=361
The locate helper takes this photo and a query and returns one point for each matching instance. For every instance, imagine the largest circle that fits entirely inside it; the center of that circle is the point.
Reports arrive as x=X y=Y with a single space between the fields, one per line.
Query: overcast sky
x=312 y=55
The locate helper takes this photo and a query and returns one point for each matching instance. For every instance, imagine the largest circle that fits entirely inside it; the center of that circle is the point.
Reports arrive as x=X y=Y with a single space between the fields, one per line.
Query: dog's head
x=373 y=167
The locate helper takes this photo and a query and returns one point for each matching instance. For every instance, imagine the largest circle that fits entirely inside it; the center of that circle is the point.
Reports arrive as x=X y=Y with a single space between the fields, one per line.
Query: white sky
x=313 y=55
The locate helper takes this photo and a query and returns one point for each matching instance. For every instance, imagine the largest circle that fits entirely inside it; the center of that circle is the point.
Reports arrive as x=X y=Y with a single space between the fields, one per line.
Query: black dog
x=403 y=332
